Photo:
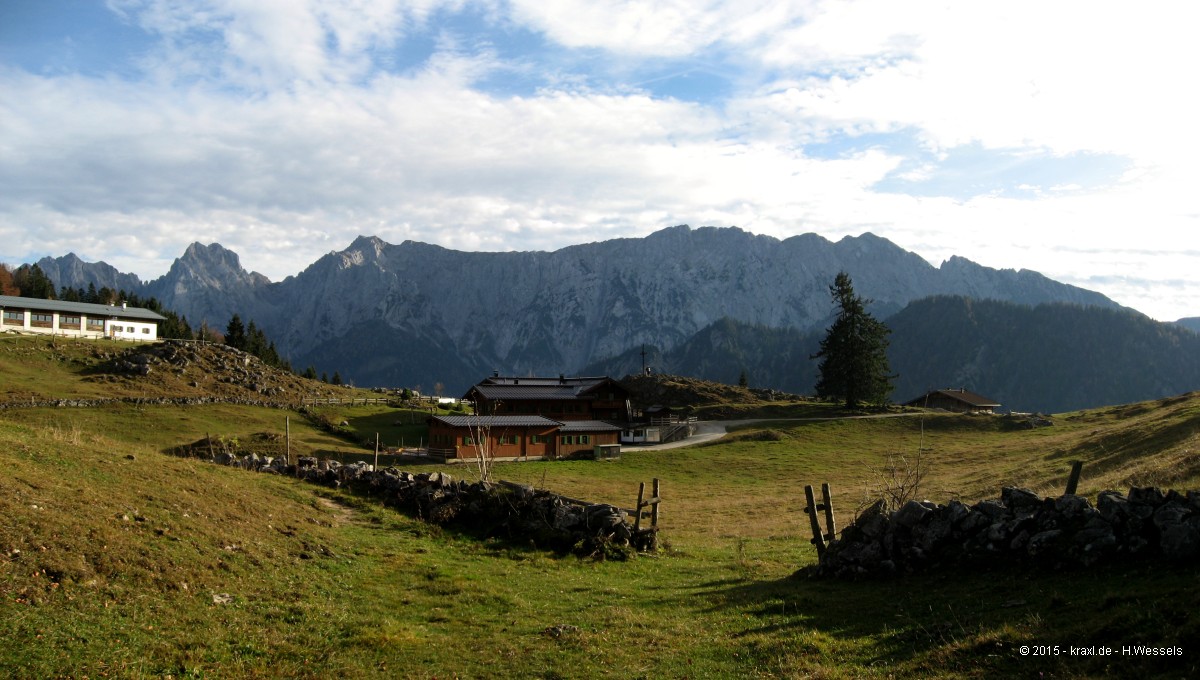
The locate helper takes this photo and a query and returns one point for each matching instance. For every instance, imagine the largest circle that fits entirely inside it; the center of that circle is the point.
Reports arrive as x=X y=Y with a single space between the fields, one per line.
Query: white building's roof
x=84 y=308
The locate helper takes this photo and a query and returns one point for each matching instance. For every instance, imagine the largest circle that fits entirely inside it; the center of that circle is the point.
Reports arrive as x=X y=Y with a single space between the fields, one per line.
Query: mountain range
x=416 y=314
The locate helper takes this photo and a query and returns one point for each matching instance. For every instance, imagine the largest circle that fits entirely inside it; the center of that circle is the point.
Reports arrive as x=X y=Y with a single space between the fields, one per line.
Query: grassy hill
x=120 y=560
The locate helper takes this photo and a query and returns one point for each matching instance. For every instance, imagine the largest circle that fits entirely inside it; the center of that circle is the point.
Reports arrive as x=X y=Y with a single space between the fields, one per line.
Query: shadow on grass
x=976 y=622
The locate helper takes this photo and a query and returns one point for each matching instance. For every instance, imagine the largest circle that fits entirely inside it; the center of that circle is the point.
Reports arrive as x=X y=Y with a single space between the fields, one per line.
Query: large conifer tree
x=854 y=364
x=235 y=333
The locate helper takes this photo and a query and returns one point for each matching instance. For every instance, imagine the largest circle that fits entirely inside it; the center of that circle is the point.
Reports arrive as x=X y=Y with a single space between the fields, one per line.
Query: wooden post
x=376 y=452
x=637 y=522
x=287 y=437
x=211 y=453
x=814 y=523
x=1073 y=480
x=654 y=508
x=830 y=528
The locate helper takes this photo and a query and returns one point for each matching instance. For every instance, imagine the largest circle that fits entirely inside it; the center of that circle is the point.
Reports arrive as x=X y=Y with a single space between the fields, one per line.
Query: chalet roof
x=549 y=389
x=501 y=422
x=496 y=421
x=959 y=394
x=587 y=426
x=84 y=308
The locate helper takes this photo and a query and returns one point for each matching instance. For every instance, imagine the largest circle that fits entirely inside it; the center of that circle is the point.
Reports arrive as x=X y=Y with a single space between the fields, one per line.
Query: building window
x=583 y=439
x=68 y=322
x=118 y=329
x=468 y=440
x=95 y=324
x=14 y=318
x=145 y=331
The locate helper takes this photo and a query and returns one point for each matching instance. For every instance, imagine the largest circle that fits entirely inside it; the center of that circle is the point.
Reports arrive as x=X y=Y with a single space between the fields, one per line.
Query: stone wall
x=1019 y=528
x=515 y=512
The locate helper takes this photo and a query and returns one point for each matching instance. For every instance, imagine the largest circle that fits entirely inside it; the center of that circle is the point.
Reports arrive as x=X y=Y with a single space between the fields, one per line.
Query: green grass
x=119 y=560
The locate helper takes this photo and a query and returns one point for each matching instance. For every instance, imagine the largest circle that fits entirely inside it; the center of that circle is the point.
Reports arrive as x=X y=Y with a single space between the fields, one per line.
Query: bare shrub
x=899 y=477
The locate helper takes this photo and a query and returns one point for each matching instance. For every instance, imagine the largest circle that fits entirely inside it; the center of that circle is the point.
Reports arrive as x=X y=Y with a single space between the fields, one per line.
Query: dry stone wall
x=1020 y=528
x=514 y=512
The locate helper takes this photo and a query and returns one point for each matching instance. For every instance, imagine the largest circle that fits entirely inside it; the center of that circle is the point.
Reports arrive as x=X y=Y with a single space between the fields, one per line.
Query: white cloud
x=269 y=127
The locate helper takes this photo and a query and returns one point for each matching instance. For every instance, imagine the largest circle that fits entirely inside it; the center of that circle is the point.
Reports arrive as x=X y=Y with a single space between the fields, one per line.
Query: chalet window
x=468 y=440
x=95 y=324
x=583 y=439
x=118 y=329
x=72 y=321
x=536 y=439
x=509 y=439
x=14 y=318
x=45 y=318
x=145 y=331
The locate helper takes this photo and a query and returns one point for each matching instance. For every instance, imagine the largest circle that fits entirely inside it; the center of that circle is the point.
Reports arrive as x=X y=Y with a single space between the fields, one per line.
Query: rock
x=992 y=510
x=1042 y=542
x=1020 y=500
x=873 y=522
x=910 y=514
x=1112 y=506
x=1094 y=542
x=1072 y=506
x=1179 y=542
x=1151 y=496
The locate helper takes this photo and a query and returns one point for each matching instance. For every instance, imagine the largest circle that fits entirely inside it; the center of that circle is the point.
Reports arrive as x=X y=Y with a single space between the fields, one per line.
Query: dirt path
x=340 y=514
x=711 y=430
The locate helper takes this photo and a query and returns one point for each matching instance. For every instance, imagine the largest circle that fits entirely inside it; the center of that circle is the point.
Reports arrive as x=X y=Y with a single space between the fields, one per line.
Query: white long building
x=78 y=319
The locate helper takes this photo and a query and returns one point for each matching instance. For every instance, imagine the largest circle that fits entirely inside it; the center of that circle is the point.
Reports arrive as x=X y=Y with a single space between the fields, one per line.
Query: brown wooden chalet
x=958 y=400
x=518 y=437
x=561 y=398
x=533 y=419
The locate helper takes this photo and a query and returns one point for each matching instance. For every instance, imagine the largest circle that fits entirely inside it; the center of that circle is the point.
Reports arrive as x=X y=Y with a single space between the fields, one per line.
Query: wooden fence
x=344 y=401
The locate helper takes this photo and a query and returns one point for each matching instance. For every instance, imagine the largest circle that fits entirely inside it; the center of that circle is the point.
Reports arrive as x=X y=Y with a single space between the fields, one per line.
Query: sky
x=1054 y=136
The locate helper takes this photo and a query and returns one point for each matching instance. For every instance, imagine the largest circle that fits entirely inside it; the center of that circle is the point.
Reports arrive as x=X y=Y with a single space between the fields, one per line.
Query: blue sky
x=1058 y=137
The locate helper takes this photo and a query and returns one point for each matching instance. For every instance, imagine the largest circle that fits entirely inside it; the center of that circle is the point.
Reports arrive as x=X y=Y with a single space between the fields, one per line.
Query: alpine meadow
x=124 y=559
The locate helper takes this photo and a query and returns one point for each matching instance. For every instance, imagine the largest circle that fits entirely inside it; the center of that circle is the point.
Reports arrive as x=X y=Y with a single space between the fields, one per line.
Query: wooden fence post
x=654 y=507
x=637 y=521
x=830 y=528
x=1073 y=480
x=814 y=523
x=376 y=468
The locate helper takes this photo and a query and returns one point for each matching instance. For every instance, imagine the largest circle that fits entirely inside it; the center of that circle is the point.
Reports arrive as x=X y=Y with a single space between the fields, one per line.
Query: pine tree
x=235 y=333
x=33 y=282
x=854 y=364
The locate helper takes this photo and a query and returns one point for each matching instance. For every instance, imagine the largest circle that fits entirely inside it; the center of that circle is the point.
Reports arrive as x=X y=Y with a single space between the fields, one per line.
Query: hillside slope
x=42 y=369
x=119 y=560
